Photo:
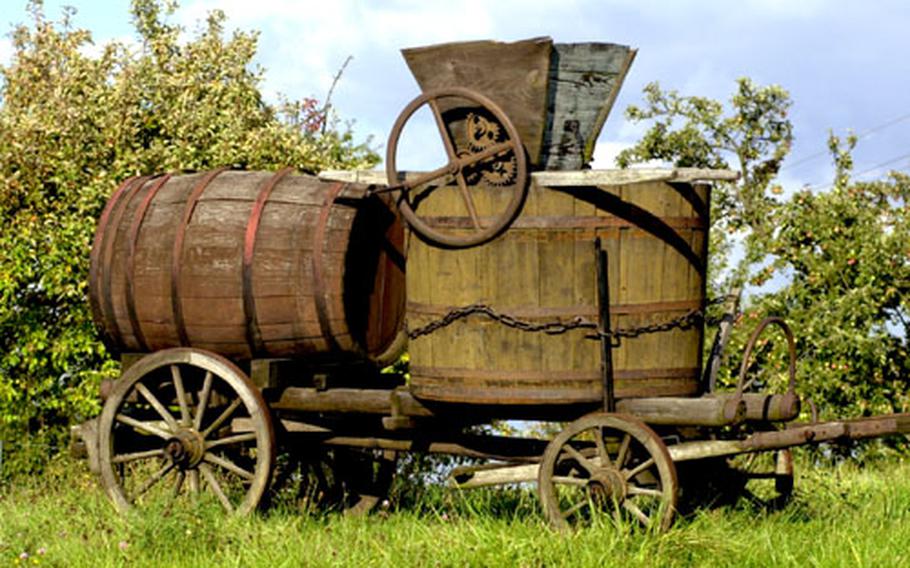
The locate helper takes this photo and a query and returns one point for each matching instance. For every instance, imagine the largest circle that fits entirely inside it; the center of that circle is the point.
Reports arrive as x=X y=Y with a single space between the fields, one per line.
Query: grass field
x=841 y=516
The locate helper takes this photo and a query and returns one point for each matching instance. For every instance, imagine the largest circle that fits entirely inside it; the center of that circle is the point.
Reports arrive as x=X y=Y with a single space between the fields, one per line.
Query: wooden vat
x=654 y=226
x=248 y=264
x=557 y=95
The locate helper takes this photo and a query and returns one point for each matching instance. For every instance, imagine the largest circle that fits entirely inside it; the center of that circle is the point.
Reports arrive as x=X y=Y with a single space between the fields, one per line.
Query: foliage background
x=834 y=264
x=75 y=120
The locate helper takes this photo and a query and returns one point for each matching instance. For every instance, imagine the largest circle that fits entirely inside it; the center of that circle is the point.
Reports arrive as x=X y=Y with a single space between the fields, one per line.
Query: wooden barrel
x=543 y=270
x=248 y=265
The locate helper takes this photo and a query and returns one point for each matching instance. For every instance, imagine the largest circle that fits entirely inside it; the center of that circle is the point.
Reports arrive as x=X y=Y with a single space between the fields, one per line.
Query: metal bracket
x=606 y=338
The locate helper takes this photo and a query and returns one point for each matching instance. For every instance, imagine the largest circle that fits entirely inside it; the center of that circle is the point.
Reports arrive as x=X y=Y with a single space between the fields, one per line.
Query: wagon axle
x=186 y=449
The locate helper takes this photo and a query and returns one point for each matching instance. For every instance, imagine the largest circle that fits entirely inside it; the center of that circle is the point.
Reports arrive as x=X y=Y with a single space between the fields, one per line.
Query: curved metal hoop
x=456 y=167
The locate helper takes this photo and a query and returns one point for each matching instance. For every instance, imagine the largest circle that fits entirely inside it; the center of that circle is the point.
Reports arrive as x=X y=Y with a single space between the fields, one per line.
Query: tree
x=837 y=262
x=74 y=121
x=753 y=139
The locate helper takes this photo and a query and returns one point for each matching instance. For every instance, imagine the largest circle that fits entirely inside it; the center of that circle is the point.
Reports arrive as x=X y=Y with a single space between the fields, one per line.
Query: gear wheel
x=500 y=171
x=482 y=132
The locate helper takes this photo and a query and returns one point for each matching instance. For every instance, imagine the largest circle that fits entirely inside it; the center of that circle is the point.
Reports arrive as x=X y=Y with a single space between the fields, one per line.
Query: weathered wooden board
x=513 y=75
x=599 y=178
x=584 y=81
x=542 y=270
x=557 y=95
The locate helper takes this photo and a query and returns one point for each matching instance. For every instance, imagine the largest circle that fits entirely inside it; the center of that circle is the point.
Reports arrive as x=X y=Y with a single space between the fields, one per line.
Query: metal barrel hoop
x=741 y=383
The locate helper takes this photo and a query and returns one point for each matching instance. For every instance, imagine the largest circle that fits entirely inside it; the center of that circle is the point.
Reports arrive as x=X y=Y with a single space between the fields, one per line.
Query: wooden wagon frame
x=210 y=425
x=622 y=452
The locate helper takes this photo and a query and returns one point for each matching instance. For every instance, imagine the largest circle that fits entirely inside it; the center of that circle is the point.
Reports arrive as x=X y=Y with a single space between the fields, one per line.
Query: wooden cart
x=254 y=312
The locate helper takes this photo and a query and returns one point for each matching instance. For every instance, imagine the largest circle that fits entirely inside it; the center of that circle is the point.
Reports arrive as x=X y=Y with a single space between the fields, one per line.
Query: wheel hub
x=608 y=484
x=186 y=448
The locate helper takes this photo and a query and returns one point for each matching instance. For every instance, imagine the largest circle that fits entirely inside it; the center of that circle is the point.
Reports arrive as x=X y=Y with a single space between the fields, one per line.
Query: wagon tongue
x=558 y=95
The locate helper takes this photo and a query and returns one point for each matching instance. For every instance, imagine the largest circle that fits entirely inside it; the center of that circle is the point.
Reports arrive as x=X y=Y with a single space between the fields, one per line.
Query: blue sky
x=845 y=63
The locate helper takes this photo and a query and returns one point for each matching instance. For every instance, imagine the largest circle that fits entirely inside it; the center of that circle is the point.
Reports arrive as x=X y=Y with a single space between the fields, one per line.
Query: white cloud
x=302 y=49
x=605 y=153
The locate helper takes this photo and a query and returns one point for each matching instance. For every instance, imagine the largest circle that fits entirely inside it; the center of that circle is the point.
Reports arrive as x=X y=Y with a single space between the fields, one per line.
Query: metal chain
x=685 y=321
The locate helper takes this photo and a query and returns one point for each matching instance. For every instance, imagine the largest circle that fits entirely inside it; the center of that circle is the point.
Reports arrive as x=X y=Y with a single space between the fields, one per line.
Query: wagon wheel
x=350 y=480
x=608 y=462
x=754 y=470
x=185 y=424
x=777 y=466
x=366 y=476
x=492 y=152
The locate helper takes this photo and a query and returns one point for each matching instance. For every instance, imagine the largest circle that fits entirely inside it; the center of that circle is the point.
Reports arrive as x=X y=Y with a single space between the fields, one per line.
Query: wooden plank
x=584 y=81
x=630 y=176
x=513 y=75
x=598 y=177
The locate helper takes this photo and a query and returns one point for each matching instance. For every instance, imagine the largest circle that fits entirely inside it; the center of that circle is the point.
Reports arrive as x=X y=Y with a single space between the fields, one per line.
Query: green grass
x=841 y=516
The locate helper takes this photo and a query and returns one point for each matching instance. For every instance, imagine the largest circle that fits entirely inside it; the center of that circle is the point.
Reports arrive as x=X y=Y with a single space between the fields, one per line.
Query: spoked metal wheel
x=765 y=478
x=185 y=424
x=483 y=150
x=608 y=464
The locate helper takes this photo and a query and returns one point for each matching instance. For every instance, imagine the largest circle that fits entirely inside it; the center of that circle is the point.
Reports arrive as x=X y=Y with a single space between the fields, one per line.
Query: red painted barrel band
x=135 y=227
x=107 y=297
x=95 y=265
x=253 y=334
x=319 y=288
x=177 y=256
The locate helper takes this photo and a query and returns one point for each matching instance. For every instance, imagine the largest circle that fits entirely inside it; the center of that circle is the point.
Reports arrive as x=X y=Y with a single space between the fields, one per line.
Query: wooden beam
x=365 y=401
x=767 y=407
x=570 y=178
x=679 y=411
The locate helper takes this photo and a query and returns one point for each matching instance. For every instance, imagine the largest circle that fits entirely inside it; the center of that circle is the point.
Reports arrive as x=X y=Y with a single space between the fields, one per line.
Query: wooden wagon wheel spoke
x=136 y=453
x=221 y=419
x=212 y=482
x=499 y=158
x=229 y=440
x=203 y=400
x=582 y=460
x=230 y=466
x=178 y=484
x=634 y=491
x=159 y=408
x=133 y=456
x=152 y=480
x=567 y=480
x=143 y=427
x=639 y=514
x=193 y=481
x=623 y=452
x=185 y=419
x=586 y=502
x=602 y=483
x=603 y=455
x=634 y=472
